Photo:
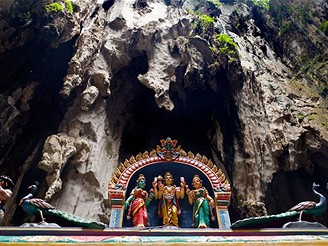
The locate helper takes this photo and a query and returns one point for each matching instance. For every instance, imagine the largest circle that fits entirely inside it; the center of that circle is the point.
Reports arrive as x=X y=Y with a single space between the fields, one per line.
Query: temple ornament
x=202 y=204
x=169 y=156
x=168 y=194
x=168 y=151
x=137 y=203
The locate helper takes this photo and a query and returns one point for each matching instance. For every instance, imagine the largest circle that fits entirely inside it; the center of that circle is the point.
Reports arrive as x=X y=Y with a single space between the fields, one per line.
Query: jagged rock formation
x=57 y=150
x=91 y=84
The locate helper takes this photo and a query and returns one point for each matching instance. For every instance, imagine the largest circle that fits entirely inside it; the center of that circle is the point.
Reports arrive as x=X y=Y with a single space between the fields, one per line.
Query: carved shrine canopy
x=172 y=158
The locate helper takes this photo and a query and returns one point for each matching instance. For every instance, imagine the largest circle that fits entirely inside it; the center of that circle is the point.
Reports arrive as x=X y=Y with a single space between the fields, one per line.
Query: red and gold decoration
x=169 y=152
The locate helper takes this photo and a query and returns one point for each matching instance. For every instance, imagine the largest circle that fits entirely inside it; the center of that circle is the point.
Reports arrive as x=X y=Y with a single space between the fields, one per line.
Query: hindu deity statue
x=6 y=187
x=202 y=203
x=168 y=194
x=137 y=203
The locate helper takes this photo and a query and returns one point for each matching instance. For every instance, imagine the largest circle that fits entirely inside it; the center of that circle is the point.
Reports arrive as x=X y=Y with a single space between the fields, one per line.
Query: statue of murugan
x=202 y=203
x=168 y=194
x=137 y=203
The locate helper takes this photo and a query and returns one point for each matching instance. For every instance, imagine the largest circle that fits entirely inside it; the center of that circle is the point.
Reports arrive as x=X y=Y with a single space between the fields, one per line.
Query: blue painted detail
x=225 y=219
x=115 y=218
x=29 y=208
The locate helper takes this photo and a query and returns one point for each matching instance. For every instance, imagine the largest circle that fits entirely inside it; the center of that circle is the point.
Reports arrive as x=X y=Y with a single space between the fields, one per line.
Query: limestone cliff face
x=84 y=88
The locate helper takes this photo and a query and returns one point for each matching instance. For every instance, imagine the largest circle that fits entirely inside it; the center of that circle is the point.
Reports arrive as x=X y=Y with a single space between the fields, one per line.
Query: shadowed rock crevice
x=107 y=4
x=41 y=108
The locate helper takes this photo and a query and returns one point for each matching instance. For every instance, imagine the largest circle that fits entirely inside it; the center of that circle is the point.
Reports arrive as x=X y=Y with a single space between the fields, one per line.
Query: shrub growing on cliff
x=54 y=7
x=228 y=46
x=284 y=28
x=69 y=6
x=324 y=26
x=262 y=3
x=204 y=26
x=206 y=20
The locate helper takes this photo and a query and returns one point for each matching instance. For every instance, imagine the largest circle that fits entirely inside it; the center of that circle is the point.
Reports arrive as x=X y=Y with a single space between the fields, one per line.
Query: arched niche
x=169 y=157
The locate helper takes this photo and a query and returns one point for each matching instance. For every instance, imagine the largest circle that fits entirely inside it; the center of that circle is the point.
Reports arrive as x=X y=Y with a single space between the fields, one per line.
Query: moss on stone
x=317 y=117
x=69 y=6
x=285 y=27
x=109 y=148
x=204 y=25
x=206 y=18
x=324 y=26
x=54 y=7
x=228 y=46
x=262 y=3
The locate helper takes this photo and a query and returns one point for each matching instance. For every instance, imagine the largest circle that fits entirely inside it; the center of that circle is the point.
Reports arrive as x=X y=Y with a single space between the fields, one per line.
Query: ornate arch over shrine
x=170 y=155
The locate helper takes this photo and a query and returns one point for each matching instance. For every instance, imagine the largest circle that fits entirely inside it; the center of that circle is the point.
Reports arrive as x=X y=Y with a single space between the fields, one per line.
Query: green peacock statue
x=37 y=206
x=308 y=207
x=311 y=207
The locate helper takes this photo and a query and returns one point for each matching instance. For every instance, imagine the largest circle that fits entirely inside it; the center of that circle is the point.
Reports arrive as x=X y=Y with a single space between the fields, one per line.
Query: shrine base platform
x=159 y=236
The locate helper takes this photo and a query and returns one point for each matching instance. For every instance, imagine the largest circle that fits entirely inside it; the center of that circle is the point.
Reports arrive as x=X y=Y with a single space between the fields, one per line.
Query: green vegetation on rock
x=54 y=7
x=204 y=25
x=304 y=13
x=69 y=6
x=228 y=46
x=262 y=3
x=296 y=14
x=284 y=28
x=206 y=19
x=324 y=26
x=206 y=22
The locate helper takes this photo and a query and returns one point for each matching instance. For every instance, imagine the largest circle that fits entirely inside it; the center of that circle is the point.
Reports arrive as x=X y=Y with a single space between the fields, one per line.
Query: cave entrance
x=169 y=157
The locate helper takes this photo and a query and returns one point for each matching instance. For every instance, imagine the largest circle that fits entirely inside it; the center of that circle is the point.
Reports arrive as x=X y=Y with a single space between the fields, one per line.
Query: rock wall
x=92 y=85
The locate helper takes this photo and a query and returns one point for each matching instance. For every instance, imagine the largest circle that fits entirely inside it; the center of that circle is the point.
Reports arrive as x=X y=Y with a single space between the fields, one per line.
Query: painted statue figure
x=168 y=193
x=137 y=203
x=202 y=203
x=35 y=206
x=6 y=186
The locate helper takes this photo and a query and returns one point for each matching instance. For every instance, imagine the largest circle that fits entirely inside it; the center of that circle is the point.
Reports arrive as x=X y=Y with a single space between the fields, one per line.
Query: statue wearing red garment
x=137 y=203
